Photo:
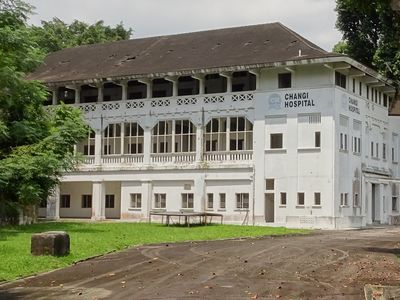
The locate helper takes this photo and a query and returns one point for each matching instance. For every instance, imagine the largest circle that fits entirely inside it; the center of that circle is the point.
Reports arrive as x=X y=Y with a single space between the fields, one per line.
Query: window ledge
x=356 y=153
x=300 y=206
x=279 y=150
x=187 y=210
x=134 y=209
x=158 y=209
x=282 y=206
x=221 y=209
x=344 y=151
x=375 y=158
x=310 y=149
x=241 y=209
x=344 y=206
x=210 y=209
x=394 y=162
x=317 y=206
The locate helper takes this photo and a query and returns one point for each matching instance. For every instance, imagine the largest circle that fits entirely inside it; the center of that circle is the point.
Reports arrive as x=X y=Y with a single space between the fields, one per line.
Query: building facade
x=255 y=123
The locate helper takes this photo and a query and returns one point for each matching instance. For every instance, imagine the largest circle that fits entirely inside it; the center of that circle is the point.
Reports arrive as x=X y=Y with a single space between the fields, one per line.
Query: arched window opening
x=133 y=140
x=185 y=136
x=112 y=139
x=241 y=134
x=162 y=137
x=228 y=133
x=188 y=85
x=243 y=81
x=214 y=83
x=162 y=88
x=66 y=95
x=87 y=146
x=215 y=135
x=112 y=92
x=136 y=90
x=88 y=94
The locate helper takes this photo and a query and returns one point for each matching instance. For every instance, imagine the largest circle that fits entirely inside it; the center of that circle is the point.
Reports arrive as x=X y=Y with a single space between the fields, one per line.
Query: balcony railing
x=220 y=157
x=191 y=103
x=231 y=156
x=173 y=158
x=121 y=159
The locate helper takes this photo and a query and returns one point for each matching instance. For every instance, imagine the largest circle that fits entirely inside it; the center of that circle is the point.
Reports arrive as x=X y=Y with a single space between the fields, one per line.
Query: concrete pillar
x=382 y=200
x=173 y=150
x=199 y=143
x=147 y=196
x=149 y=89
x=77 y=95
x=98 y=200
x=228 y=77
x=55 y=96
x=199 y=193
x=368 y=201
x=200 y=78
x=97 y=147
x=146 y=145
x=228 y=131
x=100 y=89
x=124 y=85
x=122 y=138
x=53 y=204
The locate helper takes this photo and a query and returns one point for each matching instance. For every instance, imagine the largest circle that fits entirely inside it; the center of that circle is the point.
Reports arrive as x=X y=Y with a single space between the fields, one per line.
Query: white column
x=228 y=134
x=97 y=147
x=228 y=77
x=173 y=150
x=77 y=95
x=146 y=145
x=124 y=85
x=200 y=78
x=368 y=200
x=53 y=204
x=199 y=193
x=149 y=89
x=122 y=138
x=199 y=143
x=382 y=200
x=100 y=90
x=147 y=191
x=175 y=88
x=55 y=96
x=98 y=200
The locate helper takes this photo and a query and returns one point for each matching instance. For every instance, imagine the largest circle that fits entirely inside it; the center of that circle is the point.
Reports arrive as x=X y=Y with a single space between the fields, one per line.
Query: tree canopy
x=371 y=34
x=36 y=146
x=55 y=35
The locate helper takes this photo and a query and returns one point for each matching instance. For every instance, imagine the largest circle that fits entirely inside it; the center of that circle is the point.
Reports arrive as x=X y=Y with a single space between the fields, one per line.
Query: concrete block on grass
x=55 y=243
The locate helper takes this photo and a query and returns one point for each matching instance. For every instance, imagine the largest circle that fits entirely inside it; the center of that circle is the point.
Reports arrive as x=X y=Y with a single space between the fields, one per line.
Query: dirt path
x=324 y=265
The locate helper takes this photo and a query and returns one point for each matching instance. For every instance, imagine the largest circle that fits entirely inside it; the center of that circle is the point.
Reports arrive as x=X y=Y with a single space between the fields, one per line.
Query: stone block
x=55 y=243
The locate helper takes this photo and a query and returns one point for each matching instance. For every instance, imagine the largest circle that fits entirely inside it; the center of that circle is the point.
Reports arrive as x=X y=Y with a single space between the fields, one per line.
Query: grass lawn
x=90 y=239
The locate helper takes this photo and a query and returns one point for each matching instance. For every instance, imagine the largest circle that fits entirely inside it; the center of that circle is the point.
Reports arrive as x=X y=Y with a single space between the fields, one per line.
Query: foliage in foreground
x=90 y=239
x=371 y=34
x=35 y=146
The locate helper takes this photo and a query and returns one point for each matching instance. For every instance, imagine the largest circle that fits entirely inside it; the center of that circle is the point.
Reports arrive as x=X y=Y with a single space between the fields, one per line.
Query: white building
x=254 y=122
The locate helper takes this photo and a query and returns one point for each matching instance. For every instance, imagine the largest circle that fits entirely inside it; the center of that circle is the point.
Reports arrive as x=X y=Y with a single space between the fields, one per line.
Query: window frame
x=135 y=201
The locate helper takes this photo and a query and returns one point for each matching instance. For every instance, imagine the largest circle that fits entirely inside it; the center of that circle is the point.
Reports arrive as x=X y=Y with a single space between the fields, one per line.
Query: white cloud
x=314 y=19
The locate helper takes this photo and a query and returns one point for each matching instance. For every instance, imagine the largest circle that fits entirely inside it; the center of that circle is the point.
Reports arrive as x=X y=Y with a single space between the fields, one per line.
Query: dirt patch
x=328 y=265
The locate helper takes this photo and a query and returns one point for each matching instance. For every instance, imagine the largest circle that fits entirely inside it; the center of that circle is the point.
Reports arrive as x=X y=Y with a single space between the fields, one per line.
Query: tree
x=56 y=35
x=36 y=146
x=371 y=34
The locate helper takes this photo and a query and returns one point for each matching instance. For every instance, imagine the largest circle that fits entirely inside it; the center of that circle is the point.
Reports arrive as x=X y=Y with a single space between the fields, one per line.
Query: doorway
x=269 y=207
x=375 y=209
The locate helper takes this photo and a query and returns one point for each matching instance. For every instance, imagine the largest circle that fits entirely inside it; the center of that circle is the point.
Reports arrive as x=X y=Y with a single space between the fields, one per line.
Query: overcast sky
x=313 y=19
